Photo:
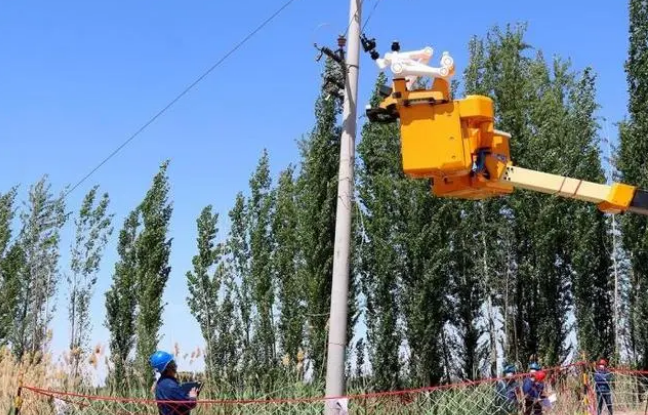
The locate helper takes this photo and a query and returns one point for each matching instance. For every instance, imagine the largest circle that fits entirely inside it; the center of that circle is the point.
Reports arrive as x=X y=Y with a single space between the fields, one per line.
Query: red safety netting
x=569 y=390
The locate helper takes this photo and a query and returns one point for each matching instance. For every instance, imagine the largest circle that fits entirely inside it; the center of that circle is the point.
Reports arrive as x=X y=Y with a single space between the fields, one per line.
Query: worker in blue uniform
x=533 y=389
x=602 y=381
x=508 y=391
x=167 y=387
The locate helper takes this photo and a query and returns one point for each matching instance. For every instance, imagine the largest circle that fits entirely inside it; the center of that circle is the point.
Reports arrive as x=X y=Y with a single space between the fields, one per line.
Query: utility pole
x=337 y=337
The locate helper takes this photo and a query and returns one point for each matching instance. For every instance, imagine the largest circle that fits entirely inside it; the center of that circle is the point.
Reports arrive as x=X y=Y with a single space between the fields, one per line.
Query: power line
x=179 y=96
x=355 y=16
x=369 y=16
x=373 y=9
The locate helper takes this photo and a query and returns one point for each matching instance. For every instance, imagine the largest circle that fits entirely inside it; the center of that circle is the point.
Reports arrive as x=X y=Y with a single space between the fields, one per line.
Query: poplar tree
x=92 y=230
x=42 y=220
x=285 y=264
x=379 y=262
x=259 y=211
x=12 y=263
x=238 y=249
x=317 y=203
x=153 y=249
x=633 y=157
x=204 y=284
x=121 y=303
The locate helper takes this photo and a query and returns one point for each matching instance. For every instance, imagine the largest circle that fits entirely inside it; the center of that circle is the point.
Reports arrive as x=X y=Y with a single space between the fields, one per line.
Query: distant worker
x=167 y=387
x=508 y=391
x=602 y=385
x=534 y=367
x=534 y=393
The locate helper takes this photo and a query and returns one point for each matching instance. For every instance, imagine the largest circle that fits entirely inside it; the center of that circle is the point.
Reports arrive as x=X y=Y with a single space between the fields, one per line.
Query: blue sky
x=79 y=77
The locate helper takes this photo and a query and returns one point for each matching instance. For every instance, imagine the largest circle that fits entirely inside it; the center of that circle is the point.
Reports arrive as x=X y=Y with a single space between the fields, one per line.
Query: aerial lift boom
x=455 y=145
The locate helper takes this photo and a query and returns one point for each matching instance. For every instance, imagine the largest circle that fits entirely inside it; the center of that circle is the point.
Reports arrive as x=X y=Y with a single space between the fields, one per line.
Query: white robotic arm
x=414 y=64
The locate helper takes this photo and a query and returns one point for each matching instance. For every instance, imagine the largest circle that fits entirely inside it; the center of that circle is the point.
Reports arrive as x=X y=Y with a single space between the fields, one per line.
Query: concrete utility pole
x=335 y=382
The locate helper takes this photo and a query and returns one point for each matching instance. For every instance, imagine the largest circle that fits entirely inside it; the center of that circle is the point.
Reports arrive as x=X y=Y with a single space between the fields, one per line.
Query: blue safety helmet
x=160 y=360
x=509 y=369
x=534 y=366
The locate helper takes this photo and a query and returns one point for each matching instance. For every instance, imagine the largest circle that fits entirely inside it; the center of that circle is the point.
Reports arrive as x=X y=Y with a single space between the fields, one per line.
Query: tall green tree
x=499 y=68
x=551 y=237
x=469 y=285
x=484 y=267
x=592 y=241
x=285 y=258
x=551 y=255
x=633 y=158
x=204 y=284
x=92 y=230
x=42 y=220
x=427 y=266
x=153 y=250
x=212 y=302
x=260 y=207
x=121 y=304
x=238 y=248
x=405 y=264
x=228 y=355
x=7 y=214
x=317 y=201
x=620 y=272
x=12 y=263
x=12 y=270
x=379 y=256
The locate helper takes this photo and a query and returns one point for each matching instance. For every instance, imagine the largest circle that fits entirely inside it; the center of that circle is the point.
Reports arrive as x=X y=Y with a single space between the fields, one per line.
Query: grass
x=50 y=373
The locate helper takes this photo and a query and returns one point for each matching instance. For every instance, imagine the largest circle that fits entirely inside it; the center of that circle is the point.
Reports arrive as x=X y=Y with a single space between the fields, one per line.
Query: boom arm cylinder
x=615 y=198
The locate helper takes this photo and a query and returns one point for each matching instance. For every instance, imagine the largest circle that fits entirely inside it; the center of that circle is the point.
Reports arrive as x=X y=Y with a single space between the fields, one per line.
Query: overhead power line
x=355 y=16
x=368 y=18
x=371 y=12
x=183 y=93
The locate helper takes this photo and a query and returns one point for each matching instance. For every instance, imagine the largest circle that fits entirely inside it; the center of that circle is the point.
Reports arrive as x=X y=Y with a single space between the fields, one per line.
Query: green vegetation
x=446 y=288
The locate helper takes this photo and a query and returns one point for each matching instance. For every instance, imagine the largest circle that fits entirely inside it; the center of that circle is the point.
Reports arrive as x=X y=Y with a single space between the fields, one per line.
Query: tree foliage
x=260 y=208
x=238 y=247
x=121 y=303
x=317 y=203
x=204 y=284
x=448 y=288
x=632 y=162
x=550 y=270
x=380 y=259
x=42 y=220
x=285 y=259
x=92 y=230
x=12 y=262
x=153 y=249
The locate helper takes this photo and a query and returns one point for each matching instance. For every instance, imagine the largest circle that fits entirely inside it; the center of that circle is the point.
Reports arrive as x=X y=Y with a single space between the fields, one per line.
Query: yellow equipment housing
x=448 y=141
x=455 y=144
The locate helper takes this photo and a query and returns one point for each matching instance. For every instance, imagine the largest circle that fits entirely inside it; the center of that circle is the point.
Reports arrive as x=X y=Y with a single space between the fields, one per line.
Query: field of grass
x=290 y=395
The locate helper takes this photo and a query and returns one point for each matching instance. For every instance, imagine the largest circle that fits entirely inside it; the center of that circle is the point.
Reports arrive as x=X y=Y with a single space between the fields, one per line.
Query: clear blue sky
x=78 y=77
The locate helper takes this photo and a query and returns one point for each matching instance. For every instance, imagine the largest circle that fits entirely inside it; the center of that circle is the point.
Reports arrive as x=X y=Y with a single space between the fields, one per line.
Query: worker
x=602 y=381
x=533 y=390
x=508 y=391
x=534 y=367
x=167 y=387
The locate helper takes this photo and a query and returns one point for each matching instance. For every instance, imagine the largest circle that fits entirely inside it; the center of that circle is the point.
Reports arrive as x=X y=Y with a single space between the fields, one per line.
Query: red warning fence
x=569 y=390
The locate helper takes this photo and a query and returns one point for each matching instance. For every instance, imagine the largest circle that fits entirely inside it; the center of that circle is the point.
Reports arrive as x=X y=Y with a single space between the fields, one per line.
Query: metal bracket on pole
x=332 y=85
x=337 y=55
